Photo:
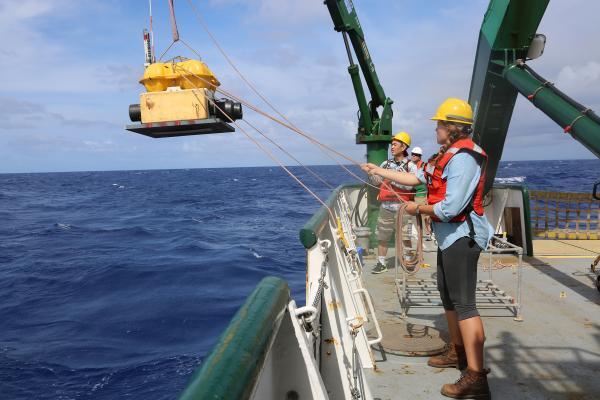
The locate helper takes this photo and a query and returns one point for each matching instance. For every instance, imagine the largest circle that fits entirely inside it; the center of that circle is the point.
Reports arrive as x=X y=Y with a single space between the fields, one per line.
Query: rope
x=574 y=245
x=290 y=155
x=286 y=124
x=405 y=263
x=292 y=128
x=409 y=263
x=265 y=150
x=289 y=124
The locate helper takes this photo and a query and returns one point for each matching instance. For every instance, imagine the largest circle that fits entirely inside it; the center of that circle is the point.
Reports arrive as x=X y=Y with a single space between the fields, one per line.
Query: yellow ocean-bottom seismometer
x=180 y=99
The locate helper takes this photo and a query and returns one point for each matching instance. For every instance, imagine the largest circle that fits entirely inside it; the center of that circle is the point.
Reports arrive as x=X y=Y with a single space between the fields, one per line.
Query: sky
x=70 y=69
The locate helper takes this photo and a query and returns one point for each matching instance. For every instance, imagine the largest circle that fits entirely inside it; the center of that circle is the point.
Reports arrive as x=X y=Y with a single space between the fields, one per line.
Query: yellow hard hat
x=454 y=110
x=402 y=137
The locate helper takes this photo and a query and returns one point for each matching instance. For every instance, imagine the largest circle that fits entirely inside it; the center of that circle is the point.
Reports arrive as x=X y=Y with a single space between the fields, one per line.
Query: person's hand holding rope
x=370 y=168
x=410 y=207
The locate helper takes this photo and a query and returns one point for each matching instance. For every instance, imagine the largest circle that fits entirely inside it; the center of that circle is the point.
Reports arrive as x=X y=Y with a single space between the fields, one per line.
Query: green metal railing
x=233 y=367
x=311 y=230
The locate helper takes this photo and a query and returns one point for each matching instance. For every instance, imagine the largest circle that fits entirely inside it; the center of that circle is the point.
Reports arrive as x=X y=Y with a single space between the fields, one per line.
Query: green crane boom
x=499 y=74
x=374 y=129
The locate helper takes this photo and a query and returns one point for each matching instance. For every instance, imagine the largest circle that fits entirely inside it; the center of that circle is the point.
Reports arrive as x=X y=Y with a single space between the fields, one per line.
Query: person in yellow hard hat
x=390 y=195
x=455 y=179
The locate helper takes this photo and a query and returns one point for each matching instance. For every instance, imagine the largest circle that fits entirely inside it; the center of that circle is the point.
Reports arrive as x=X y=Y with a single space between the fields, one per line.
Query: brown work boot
x=453 y=357
x=471 y=385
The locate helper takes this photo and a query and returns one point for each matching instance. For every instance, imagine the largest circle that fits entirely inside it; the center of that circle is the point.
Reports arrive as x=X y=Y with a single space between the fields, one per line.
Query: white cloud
x=580 y=78
x=289 y=50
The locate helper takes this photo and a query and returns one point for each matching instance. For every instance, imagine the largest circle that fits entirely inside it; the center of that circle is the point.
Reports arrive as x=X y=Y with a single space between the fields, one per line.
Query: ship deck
x=553 y=353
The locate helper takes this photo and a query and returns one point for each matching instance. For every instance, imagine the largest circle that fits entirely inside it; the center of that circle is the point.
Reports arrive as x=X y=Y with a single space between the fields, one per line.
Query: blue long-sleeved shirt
x=462 y=176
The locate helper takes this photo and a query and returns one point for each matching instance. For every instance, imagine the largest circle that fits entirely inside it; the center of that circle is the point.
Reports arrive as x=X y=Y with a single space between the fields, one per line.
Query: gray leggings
x=457 y=277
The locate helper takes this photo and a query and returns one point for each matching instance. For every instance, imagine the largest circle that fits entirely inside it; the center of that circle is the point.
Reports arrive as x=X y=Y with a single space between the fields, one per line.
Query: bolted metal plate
x=406 y=339
x=181 y=128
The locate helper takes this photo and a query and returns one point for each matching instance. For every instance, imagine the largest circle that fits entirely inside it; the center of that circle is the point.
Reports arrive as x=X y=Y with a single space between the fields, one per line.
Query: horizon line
x=249 y=166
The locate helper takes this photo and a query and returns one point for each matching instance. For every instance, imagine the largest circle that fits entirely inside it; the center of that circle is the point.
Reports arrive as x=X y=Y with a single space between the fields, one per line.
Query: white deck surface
x=553 y=354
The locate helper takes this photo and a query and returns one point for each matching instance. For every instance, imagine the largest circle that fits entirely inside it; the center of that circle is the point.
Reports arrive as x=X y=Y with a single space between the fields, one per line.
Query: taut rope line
x=290 y=155
x=252 y=87
x=265 y=150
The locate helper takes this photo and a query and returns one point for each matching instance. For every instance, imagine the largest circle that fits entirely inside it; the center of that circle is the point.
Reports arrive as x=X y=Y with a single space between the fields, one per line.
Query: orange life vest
x=389 y=192
x=436 y=185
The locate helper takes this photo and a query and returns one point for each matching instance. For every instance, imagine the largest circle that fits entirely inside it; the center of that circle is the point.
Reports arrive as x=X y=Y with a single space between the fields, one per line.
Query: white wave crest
x=255 y=254
x=512 y=179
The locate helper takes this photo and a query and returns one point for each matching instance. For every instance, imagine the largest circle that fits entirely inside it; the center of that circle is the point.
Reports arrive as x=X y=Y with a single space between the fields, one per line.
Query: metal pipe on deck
x=582 y=124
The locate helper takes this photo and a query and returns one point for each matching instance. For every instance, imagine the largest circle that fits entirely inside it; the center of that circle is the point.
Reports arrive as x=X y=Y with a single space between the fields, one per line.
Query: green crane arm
x=499 y=74
x=506 y=32
x=372 y=127
x=373 y=130
x=579 y=121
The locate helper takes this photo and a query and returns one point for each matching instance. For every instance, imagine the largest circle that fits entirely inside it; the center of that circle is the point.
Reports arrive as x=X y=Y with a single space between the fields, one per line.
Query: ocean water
x=117 y=284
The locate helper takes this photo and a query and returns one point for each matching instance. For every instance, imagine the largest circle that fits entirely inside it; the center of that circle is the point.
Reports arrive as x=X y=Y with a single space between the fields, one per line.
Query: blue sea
x=117 y=284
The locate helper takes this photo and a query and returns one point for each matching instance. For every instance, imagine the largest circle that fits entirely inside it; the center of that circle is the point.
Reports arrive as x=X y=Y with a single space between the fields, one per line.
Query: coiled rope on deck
x=411 y=264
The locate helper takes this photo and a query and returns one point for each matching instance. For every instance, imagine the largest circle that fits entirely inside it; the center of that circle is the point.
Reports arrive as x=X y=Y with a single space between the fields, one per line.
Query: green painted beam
x=312 y=229
x=506 y=32
x=232 y=368
x=374 y=116
x=583 y=127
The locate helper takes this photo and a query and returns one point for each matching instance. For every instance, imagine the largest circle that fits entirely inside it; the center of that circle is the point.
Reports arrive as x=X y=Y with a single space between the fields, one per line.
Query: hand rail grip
x=372 y=312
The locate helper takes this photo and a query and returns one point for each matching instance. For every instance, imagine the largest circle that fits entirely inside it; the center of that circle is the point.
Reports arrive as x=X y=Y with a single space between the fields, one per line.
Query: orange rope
x=265 y=150
x=256 y=91
x=290 y=155
x=292 y=128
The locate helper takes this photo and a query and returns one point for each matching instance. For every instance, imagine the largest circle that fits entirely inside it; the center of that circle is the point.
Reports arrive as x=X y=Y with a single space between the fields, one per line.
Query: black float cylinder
x=228 y=107
x=135 y=113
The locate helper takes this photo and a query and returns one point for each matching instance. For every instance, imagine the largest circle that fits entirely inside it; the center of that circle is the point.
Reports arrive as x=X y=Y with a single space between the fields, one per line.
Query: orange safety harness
x=389 y=192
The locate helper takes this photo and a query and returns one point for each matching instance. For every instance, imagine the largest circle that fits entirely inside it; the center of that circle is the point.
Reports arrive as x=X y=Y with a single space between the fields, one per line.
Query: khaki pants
x=422 y=201
x=386 y=225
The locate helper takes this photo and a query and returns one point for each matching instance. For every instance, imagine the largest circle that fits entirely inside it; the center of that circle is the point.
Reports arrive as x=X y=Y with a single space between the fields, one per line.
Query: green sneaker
x=379 y=268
